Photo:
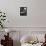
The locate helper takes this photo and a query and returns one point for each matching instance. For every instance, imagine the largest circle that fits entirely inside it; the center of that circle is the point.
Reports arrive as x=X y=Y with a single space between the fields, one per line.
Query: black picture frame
x=23 y=11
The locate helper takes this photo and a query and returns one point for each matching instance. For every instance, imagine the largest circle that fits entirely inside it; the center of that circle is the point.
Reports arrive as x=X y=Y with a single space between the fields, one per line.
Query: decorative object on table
x=8 y=41
x=2 y=18
x=23 y=11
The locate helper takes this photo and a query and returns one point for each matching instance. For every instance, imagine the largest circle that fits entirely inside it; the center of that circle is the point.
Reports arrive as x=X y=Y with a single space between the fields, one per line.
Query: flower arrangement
x=2 y=19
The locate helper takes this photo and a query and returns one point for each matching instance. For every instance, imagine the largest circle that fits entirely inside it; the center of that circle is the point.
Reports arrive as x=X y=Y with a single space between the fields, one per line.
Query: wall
x=36 y=13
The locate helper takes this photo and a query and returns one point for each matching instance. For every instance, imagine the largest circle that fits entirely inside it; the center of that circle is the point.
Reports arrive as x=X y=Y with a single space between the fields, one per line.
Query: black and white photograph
x=23 y=11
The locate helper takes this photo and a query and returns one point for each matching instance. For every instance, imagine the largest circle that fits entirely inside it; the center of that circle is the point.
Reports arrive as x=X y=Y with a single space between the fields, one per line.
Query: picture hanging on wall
x=23 y=11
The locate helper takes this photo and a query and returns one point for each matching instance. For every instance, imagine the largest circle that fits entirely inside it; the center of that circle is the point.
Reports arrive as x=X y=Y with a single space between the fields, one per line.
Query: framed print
x=23 y=11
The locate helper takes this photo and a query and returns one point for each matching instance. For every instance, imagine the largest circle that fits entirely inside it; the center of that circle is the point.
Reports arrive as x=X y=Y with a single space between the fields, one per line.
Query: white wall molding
x=26 y=28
